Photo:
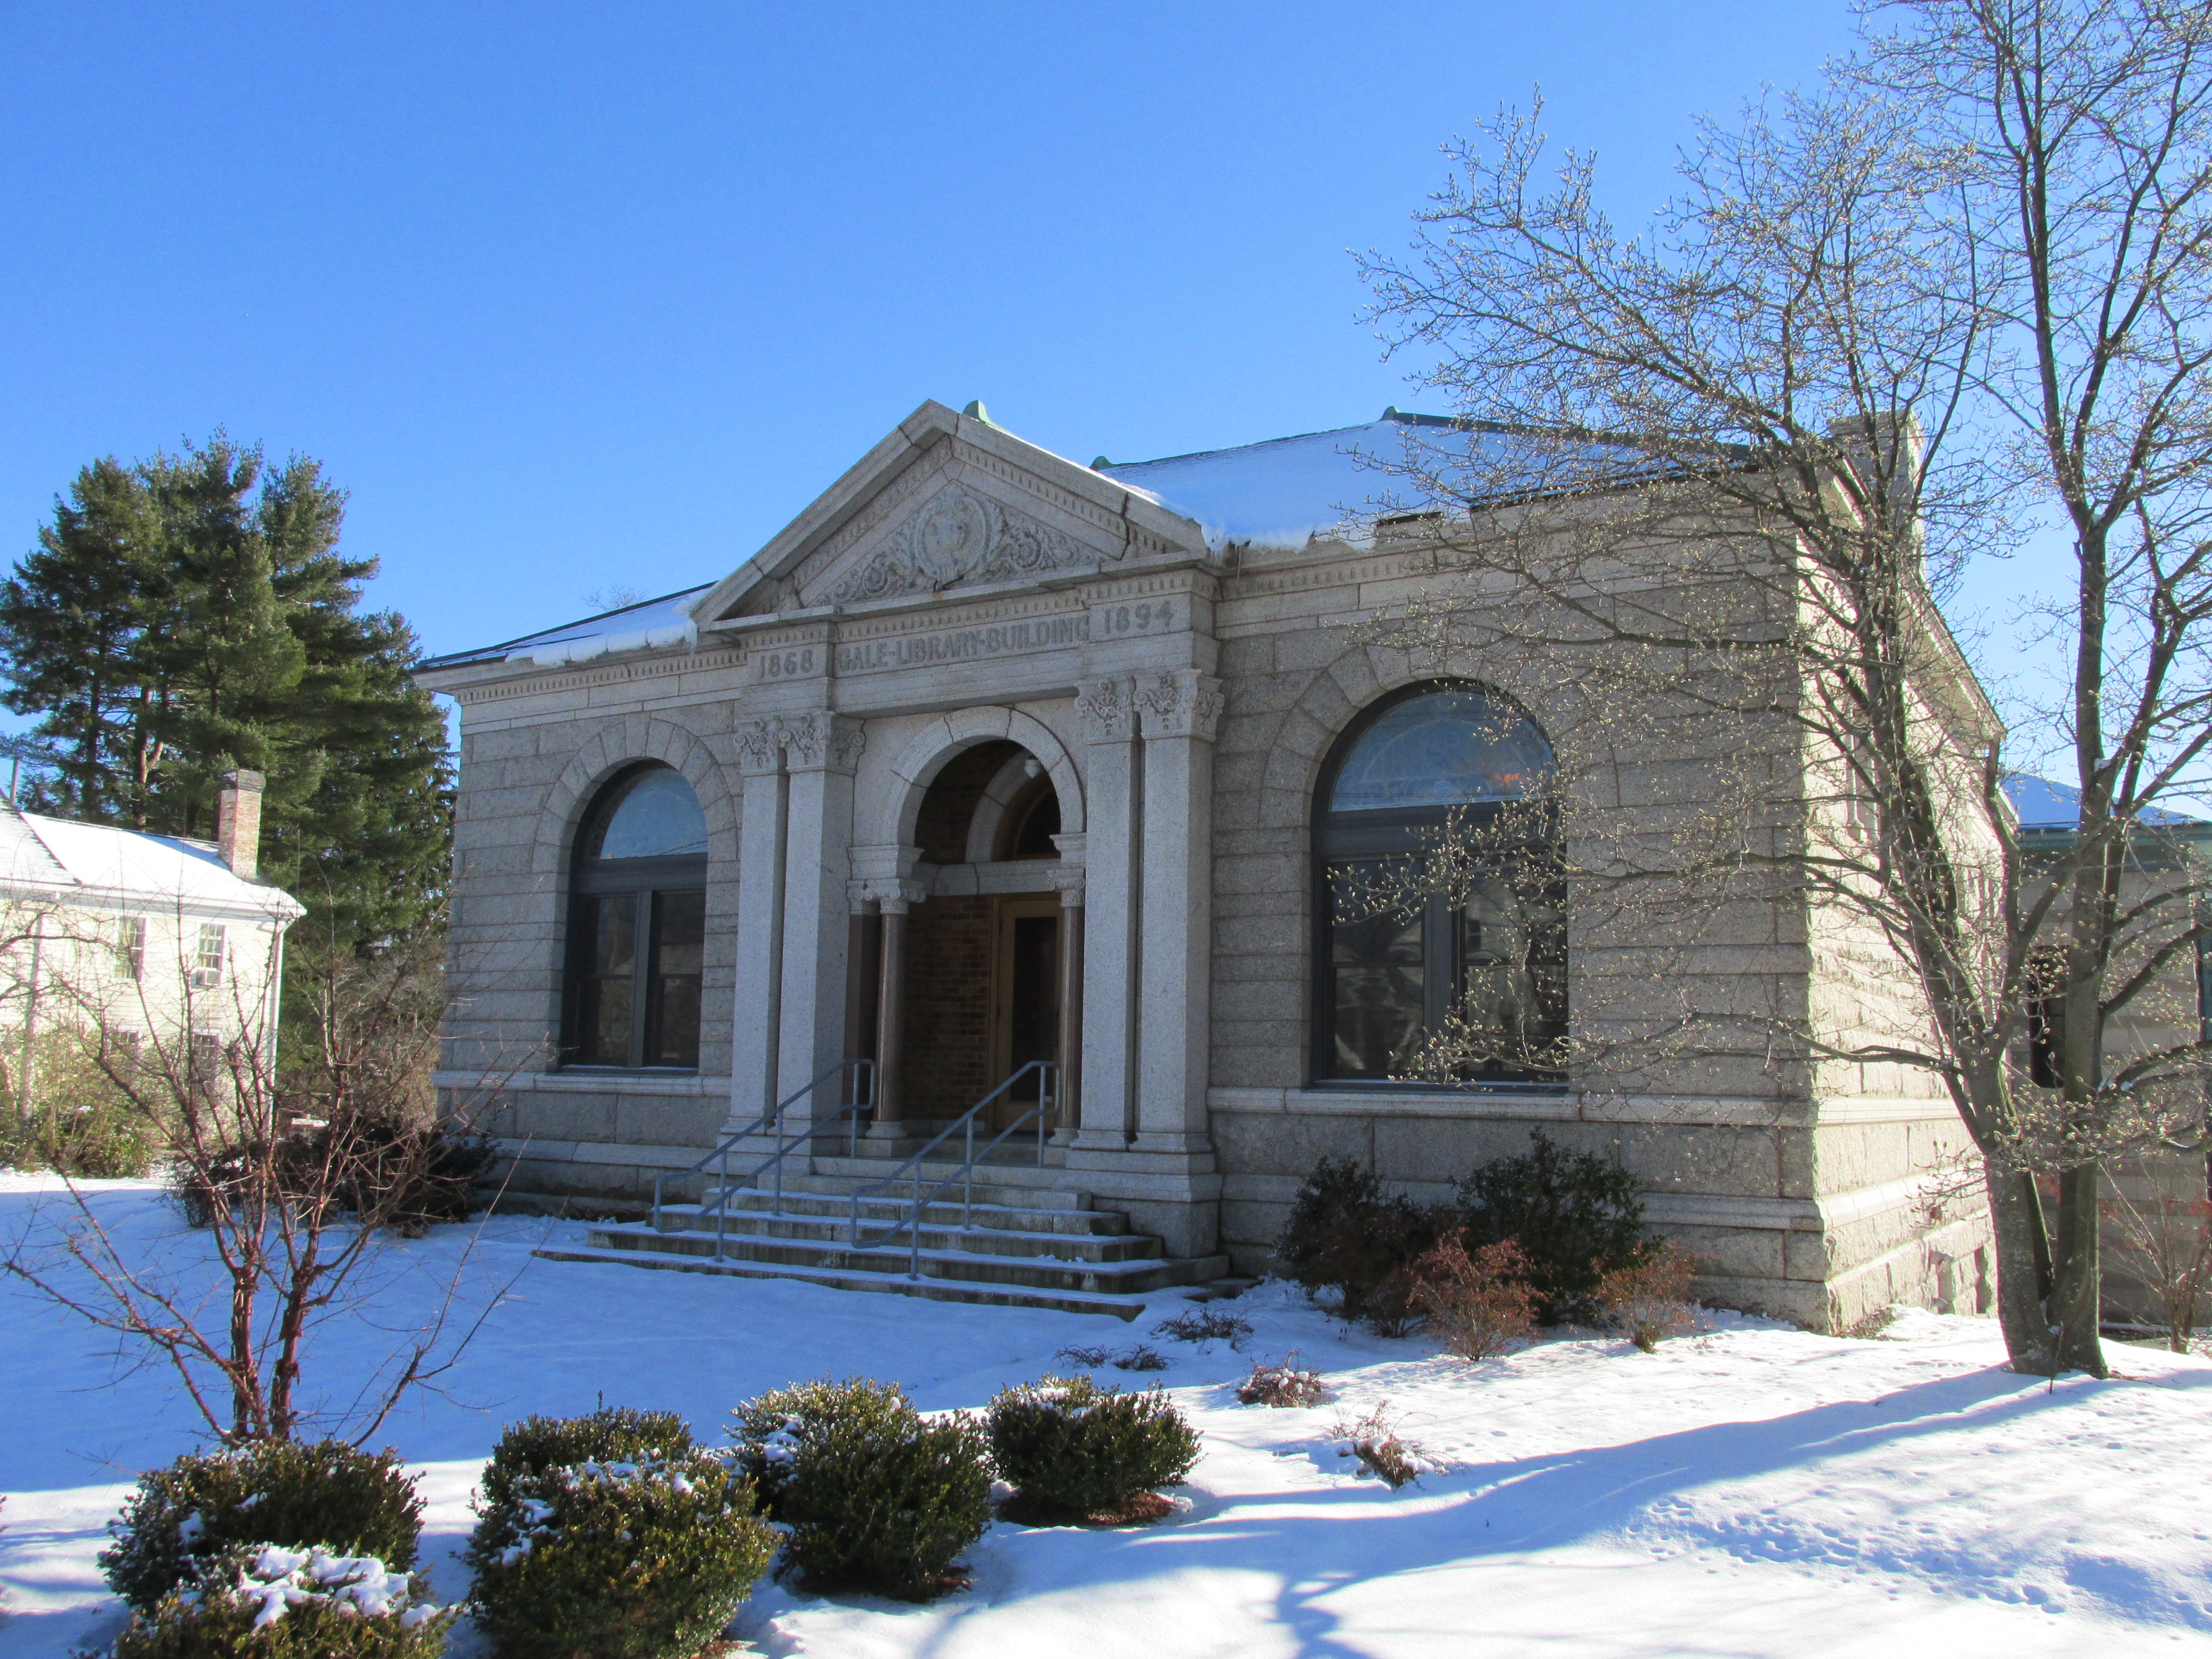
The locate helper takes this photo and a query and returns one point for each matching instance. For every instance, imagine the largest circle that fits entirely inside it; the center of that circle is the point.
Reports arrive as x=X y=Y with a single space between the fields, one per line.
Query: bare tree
x=298 y=1175
x=1725 y=470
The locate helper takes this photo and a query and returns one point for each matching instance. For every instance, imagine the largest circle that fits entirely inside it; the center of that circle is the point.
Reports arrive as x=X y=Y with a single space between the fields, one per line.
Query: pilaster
x=1107 y=1110
x=820 y=751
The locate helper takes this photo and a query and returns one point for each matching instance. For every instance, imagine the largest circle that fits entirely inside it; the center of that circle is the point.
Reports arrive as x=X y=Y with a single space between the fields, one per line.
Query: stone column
x=820 y=751
x=1180 y=712
x=1068 y=879
x=1112 y=782
x=894 y=898
x=760 y=924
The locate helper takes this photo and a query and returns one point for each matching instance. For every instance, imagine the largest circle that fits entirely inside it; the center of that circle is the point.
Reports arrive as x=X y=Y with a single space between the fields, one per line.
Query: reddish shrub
x=1650 y=1300
x=1477 y=1305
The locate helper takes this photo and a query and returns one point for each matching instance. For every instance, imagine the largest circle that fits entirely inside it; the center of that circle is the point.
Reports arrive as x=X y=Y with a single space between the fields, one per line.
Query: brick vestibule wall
x=948 y=1005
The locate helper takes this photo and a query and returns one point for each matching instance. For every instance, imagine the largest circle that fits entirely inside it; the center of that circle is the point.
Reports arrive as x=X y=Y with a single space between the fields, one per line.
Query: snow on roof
x=1282 y=493
x=1285 y=492
x=649 y=625
x=103 y=861
x=2042 y=805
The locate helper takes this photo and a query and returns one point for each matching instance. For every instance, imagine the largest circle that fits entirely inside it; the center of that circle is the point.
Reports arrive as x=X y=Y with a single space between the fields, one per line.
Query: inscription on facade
x=1126 y=619
x=961 y=645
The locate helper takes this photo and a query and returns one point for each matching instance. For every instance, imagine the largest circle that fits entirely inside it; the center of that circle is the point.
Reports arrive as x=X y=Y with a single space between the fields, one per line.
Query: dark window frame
x=658 y=884
x=1341 y=838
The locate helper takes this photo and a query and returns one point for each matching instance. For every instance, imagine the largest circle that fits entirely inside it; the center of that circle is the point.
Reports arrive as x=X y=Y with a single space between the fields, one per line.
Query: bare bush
x=1206 y=1325
x=1650 y=1300
x=2165 y=1244
x=1477 y=1305
x=296 y=1172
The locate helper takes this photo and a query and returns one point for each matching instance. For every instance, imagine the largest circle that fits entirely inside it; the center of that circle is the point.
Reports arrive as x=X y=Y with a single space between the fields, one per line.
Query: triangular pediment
x=948 y=501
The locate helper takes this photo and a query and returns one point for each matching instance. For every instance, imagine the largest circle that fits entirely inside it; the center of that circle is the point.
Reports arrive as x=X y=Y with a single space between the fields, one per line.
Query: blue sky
x=572 y=297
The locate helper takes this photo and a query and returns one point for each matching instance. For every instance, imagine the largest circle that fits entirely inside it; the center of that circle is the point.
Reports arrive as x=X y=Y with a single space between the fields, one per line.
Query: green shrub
x=1576 y=1217
x=1345 y=1234
x=612 y=1434
x=200 y=1509
x=264 y=1603
x=81 y=1123
x=876 y=1498
x=618 y=1560
x=1075 y=1450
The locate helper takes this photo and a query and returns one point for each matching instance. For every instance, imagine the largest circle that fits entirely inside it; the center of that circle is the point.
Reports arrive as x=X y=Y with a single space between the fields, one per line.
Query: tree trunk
x=2076 y=1304
x=2016 y=1216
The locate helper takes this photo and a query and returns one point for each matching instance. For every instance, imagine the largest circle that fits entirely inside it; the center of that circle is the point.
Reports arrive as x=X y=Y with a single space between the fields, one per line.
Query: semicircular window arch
x=1460 y=980
x=637 y=926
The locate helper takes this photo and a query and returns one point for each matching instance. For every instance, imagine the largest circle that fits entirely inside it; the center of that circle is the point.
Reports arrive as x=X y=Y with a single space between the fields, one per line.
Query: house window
x=129 y=947
x=207 y=962
x=207 y=1056
x=637 y=926
x=1409 y=947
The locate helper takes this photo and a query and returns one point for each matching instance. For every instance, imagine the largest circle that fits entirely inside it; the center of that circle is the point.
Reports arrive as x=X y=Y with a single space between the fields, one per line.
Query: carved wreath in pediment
x=960 y=537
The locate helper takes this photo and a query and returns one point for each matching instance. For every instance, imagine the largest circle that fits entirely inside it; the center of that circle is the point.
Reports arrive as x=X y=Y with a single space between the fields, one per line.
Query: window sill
x=580 y=1082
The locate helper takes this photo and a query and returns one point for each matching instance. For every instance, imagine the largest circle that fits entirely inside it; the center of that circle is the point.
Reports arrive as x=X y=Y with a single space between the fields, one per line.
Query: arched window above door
x=637 y=926
x=1482 y=966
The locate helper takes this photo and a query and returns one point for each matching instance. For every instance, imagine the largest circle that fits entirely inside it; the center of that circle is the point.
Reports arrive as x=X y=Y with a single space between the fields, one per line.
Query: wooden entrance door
x=1025 y=995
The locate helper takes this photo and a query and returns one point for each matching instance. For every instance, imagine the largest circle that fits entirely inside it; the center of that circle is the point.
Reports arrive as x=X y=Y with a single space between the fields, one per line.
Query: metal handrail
x=771 y=1121
x=1047 y=1105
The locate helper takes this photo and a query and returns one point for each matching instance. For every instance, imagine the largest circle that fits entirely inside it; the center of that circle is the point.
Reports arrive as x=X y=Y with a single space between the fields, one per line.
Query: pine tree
x=73 y=627
x=193 y=613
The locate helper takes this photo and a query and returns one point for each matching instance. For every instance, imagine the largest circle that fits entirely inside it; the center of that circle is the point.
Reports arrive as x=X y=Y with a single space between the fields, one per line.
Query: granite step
x=941 y=1232
x=1111 y=1306
x=944 y=1213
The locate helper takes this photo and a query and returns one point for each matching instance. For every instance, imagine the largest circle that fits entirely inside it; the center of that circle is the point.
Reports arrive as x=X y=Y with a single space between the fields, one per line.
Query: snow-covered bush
x=1345 y=1234
x=270 y=1602
x=1282 y=1383
x=1575 y=1216
x=877 y=1499
x=287 y=1493
x=1650 y=1301
x=1374 y=1440
x=620 y=1559
x=1075 y=1451
x=1477 y=1305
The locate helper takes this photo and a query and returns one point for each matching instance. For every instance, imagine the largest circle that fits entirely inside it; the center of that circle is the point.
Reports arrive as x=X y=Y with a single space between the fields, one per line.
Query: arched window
x=637 y=926
x=1439 y=908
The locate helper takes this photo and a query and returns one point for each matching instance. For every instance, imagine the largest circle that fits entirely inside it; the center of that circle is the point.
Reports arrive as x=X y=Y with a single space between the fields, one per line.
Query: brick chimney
x=238 y=823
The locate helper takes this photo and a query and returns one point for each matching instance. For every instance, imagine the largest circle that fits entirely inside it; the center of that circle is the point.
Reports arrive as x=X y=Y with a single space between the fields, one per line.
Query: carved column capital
x=896 y=898
x=1181 y=703
x=757 y=749
x=1109 y=711
x=820 y=741
x=1069 y=882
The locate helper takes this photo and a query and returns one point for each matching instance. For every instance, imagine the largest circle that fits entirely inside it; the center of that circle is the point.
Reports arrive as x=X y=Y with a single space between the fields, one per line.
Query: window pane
x=1377 y=980
x=1441 y=750
x=658 y=817
x=1512 y=974
x=679 y=940
x=606 y=950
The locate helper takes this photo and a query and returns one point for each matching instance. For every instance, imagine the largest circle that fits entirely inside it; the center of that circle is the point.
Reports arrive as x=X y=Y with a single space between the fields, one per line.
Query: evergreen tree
x=193 y=613
x=73 y=625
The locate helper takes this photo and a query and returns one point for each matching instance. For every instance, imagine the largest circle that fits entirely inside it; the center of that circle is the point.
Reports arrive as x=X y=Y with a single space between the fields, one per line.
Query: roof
x=108 y=864
x=2047 y=808
x=1285 y=492
x=650 y=624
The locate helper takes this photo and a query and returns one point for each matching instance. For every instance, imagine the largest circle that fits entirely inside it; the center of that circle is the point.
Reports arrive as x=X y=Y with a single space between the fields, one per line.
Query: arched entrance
x=976 y=969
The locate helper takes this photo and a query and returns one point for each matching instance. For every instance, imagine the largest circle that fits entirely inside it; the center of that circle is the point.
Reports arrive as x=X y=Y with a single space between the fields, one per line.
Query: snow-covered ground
x=1750 y=1491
